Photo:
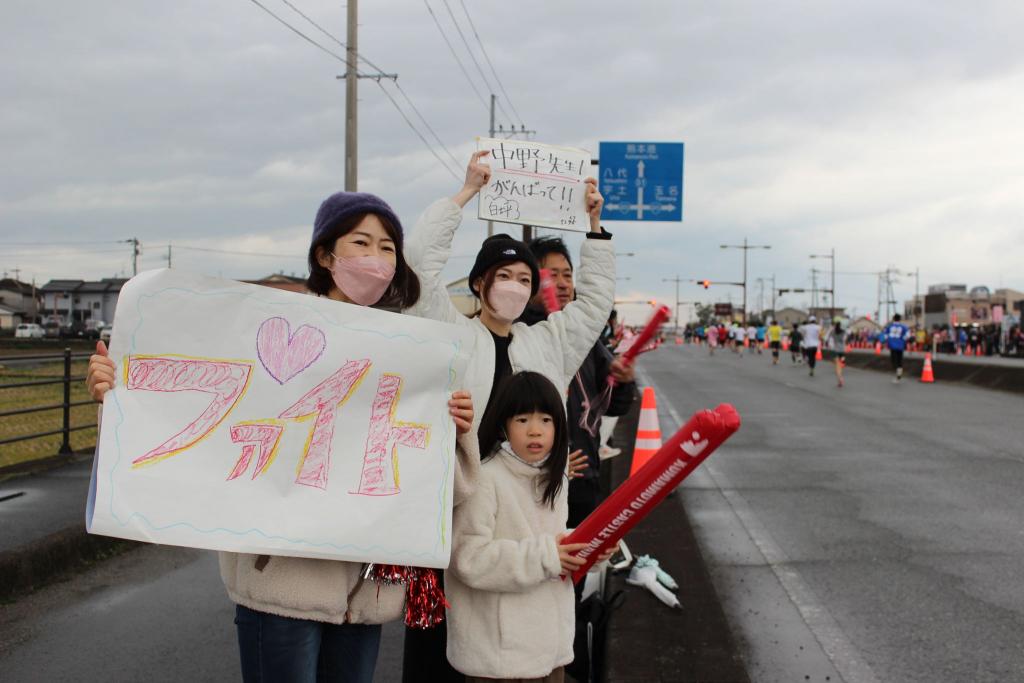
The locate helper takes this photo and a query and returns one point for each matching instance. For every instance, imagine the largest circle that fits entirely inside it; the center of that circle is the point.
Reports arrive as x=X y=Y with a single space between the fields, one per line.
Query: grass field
x=27 y=397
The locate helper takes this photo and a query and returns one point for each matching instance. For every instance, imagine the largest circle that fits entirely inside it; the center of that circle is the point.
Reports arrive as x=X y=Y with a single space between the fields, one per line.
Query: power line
x=298 y=32
x=485 y=56
x=399 y=88
x=374 y=66
x=436 y=156
x=332 y=37
x=456 y=56
x=472 y=56
x=234 y=253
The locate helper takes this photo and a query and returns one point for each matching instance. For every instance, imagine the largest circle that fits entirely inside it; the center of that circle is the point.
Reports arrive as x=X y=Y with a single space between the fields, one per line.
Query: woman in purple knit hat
x=301 y=619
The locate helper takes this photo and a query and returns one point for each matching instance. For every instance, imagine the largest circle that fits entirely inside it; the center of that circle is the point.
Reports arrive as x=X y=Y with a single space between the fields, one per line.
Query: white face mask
x=508 y=299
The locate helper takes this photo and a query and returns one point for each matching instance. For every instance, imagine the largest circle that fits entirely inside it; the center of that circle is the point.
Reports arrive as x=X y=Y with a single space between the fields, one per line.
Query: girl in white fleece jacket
x=511 y=614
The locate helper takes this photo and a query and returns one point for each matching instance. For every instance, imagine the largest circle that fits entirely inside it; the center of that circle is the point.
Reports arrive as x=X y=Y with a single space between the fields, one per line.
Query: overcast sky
x=890 y=132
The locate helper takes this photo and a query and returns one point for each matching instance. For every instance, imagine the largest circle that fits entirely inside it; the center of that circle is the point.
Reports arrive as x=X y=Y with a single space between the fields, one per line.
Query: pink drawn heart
x=284 y=354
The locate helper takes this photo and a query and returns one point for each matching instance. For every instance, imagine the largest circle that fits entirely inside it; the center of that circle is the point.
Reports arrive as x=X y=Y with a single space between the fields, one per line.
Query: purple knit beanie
x=342 y=205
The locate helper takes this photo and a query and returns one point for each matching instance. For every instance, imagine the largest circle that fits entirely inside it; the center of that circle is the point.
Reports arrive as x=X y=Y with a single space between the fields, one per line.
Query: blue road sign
x=641 y=181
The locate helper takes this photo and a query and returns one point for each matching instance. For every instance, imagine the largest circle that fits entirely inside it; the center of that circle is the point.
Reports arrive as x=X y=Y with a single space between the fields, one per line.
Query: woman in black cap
x=504 y=277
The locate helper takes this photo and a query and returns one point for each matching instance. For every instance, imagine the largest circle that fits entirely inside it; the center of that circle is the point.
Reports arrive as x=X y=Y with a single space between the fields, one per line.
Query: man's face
x=561 y=273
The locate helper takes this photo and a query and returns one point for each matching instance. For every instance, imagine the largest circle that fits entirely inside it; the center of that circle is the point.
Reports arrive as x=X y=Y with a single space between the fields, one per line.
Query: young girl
x=302 y=619
x=511 y=614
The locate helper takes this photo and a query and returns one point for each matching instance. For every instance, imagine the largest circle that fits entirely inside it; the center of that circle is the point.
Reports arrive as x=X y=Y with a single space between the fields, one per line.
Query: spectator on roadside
x=603 y=385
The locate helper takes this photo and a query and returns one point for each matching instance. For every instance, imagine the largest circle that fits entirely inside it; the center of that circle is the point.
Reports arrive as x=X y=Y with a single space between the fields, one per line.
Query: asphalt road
x=155 y=614
x=868 y=533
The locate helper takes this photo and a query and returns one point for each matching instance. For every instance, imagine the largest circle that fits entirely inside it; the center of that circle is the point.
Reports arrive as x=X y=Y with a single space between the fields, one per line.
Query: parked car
x=52 y=330
x=29 y=331
x=93 y=328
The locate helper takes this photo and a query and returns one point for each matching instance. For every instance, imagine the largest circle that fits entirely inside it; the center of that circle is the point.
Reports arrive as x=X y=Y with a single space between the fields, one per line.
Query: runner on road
x=811 y=333
x=795 y=337
x=895 y=335
x=836 y=341
x=739 y=333
x=760 y=333
x=775 y=340
x=712 y=339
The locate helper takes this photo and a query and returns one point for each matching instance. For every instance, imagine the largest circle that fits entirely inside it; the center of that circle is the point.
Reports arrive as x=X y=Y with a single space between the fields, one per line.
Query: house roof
x=61 y=286
x=107 y=284
x=9 y=284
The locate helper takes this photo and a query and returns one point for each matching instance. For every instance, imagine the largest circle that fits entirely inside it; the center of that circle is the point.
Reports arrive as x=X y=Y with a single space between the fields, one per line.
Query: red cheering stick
x=658 y=318
x=547 y=291
x=642 y=492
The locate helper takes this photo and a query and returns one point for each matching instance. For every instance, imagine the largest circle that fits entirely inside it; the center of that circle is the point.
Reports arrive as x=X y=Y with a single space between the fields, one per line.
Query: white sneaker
x=606 y=452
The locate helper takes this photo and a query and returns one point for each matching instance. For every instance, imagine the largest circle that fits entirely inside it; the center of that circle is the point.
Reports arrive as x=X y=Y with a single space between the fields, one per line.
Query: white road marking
x=843 y=654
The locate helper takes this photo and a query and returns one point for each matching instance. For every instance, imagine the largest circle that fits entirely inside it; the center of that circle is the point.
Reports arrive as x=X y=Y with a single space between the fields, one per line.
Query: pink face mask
x=363 y=279
x=508 y=299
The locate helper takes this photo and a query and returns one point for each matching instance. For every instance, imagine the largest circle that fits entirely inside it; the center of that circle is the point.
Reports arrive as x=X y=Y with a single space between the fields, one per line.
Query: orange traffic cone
x=679 y=341
x=878 y=348
x=846 y=349
x=818 y=355
x=785 y=344
x=648 y=432
x=926 y=374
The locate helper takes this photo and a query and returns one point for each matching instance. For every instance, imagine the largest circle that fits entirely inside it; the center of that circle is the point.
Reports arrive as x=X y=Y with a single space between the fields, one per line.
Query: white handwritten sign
x=255 y=420
x=535 y=184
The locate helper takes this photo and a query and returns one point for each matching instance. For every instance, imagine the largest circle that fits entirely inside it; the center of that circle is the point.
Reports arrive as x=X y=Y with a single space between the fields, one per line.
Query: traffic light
x=706 y=283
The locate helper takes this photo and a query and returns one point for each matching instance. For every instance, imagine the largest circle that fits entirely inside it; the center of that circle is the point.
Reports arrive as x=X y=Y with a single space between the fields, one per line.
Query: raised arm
x=430 y=245
x=576 y=328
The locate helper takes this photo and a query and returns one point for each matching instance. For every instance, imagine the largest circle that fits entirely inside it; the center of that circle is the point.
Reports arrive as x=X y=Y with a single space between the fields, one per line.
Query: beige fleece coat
x=511 y=615
x=330 y=590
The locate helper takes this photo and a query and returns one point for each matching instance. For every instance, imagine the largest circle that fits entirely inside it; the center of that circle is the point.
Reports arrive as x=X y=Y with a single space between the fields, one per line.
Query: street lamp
x=831 y=256
x=745 y=247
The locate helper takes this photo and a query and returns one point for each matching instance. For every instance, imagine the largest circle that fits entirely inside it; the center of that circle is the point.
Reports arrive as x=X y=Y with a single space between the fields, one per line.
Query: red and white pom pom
x=424 y=598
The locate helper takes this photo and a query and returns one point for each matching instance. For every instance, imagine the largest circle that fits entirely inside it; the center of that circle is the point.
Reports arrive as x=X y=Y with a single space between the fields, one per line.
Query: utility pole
x=745 y=247
x=773 y=295
x=676 y=280
x=492 y=131
x=490 y=224
x=351 y=78
x=814 y=288
x=351 y=103
x=168 y=255
x=134 y=241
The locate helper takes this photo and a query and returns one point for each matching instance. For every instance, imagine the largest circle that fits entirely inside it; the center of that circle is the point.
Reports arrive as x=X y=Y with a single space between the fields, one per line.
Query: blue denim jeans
x=276 y=648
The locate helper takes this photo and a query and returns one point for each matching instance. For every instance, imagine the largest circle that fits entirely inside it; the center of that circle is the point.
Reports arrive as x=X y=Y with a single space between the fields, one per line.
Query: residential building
x=19 y=301
x=288 y=283
x=80 y=301
x=949 y=304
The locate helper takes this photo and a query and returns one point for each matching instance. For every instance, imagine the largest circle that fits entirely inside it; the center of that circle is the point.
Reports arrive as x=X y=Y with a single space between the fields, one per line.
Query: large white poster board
x=535 y=184
x=255 y=420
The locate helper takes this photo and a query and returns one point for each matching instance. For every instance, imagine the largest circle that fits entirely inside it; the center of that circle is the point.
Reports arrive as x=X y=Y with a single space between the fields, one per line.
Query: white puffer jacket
x=511 y=616
x=555 y=347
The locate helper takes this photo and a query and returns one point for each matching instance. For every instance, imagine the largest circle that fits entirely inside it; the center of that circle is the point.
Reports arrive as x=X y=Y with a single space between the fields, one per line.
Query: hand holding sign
x=538 y=184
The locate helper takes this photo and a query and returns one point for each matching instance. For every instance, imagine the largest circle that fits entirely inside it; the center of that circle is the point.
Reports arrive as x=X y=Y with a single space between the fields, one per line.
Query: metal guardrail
x=66 y=405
